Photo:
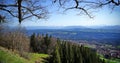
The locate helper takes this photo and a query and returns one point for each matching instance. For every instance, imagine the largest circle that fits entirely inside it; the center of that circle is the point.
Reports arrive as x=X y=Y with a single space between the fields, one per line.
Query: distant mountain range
x=105 y=27
x=74 y=27
x=112 y=29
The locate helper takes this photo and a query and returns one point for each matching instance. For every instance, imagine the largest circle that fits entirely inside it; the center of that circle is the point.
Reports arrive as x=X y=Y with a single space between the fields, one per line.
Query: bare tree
x=16 y=40
x=85 y=6
x=22 y=9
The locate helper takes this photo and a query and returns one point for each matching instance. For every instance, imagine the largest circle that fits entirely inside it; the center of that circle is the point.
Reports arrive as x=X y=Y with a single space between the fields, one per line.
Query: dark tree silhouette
x=22 y=9
x=87 y=6
x=68 y=52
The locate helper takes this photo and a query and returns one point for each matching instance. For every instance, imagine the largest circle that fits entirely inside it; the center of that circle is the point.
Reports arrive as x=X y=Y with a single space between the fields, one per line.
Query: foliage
x=66 y=52
x=15 y=40
x=63 y=52
x=42 y=44
x=59 y=51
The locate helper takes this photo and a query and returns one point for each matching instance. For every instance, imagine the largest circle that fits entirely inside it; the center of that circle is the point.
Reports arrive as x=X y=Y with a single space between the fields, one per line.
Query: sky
x=103 y=17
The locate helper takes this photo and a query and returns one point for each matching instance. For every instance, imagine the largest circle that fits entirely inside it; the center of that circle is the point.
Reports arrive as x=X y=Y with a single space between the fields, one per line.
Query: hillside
x=6 y=56
x=54 y=50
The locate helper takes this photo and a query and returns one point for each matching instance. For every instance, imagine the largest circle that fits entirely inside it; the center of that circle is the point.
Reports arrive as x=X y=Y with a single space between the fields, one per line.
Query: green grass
x=112 y=60
x=7 y=56
x=118 y=46
x=35 y=57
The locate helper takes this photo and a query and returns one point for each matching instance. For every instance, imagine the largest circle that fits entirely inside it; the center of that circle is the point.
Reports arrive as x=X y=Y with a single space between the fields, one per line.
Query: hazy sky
x=70 y=18
x=102 y=17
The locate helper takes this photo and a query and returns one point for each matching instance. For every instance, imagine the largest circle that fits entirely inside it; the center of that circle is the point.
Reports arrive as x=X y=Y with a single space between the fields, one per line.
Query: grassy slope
x=7 y=56
x=109 y=60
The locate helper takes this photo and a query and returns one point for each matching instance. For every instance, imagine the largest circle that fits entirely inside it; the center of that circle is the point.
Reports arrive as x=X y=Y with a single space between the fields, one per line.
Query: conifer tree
x=32 y=42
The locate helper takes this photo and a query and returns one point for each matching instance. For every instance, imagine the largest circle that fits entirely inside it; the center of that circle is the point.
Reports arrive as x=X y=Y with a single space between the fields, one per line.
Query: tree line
x=68 y=52
x=59 y=51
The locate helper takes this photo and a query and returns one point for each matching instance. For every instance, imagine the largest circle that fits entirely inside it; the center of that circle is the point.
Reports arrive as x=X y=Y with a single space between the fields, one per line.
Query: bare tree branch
x=24 y=9
x=84 y=5
x=29 y=8
x=80 y=8
x=9 y=5
x=10 y=12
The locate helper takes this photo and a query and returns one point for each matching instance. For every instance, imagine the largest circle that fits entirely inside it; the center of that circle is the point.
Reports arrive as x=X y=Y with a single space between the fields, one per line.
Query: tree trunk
x=19 y=11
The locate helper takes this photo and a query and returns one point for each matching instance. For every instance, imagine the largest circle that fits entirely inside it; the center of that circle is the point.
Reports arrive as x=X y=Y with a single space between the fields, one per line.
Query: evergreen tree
x=66 y=52
x=32 y=42
x=47 y=41
x=57 y=56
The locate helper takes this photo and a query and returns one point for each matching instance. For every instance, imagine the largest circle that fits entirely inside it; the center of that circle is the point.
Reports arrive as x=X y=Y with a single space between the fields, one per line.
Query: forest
x=58 y=51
